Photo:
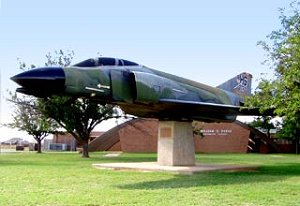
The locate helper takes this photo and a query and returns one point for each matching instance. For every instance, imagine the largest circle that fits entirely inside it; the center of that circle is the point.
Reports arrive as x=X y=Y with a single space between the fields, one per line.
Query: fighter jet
x=141 y=91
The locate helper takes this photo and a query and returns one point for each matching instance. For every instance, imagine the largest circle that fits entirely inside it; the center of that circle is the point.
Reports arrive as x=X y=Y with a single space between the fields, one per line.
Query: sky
x=206 y=41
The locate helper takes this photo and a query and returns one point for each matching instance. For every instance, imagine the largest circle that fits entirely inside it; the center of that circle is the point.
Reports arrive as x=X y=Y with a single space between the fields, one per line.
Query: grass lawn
x=67 y=179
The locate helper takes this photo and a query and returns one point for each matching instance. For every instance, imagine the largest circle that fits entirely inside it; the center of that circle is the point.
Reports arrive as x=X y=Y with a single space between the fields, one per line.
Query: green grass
x=68 y=179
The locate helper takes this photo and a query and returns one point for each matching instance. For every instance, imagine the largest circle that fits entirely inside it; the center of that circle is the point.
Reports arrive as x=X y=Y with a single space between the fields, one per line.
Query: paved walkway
x=113 y=154
x=154 y=167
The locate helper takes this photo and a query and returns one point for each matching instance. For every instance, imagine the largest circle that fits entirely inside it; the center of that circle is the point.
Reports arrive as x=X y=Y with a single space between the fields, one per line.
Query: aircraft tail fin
x=240 y=84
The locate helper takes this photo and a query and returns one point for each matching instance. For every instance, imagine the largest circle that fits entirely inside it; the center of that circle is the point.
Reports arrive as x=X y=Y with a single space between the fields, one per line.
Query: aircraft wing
x=203 y=111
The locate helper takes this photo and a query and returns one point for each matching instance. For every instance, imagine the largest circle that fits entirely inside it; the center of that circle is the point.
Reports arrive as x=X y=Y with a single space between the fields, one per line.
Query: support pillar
x=175 y=144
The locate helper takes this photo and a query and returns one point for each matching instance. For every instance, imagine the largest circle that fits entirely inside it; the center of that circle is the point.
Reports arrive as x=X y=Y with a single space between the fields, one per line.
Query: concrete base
x=175 y=144
x=188 y=170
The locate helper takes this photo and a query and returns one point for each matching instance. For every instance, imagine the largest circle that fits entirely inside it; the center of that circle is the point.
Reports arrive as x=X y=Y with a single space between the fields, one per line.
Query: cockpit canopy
x=105 y=61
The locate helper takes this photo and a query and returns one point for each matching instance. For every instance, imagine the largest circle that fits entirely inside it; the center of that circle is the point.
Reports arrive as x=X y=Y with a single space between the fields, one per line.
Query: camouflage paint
x=146 y=92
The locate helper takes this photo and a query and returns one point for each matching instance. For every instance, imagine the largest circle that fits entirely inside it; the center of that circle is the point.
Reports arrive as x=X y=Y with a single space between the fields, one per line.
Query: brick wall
x=116 y=147
x=141 y=136
x=222 y=138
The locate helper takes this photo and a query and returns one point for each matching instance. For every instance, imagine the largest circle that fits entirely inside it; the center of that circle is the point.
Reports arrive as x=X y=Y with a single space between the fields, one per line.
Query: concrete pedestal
x=175 y=144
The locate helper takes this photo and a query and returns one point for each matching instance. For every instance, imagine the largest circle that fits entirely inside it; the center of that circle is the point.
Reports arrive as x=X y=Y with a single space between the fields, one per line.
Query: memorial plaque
x=166 y=132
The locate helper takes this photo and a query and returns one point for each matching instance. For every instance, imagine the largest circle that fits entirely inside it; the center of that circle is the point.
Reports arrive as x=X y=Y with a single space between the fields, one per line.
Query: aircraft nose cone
x=41 y=82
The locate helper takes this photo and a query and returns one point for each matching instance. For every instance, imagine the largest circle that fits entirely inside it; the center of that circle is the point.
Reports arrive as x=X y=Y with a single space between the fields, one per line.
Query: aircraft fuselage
x=137 y=89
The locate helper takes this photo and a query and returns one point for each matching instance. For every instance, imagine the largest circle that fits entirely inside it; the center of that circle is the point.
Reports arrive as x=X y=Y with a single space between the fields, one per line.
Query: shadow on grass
x=68 y=159
x=126 y=157
x=264 y=174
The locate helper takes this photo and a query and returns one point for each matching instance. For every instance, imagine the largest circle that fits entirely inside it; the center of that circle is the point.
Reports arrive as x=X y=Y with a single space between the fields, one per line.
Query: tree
x=263 y=122
x=28 y=118
x=290 y=131
x=282 y=93
x=77 y=116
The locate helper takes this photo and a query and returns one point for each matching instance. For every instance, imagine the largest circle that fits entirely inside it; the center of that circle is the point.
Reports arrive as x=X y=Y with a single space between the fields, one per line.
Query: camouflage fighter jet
x=141 y=91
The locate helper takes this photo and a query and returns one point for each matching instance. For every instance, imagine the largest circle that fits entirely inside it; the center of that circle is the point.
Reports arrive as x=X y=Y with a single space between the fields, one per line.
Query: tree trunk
x=39 y=145
x=269 y=134
x=297 y=145
x=85 y=149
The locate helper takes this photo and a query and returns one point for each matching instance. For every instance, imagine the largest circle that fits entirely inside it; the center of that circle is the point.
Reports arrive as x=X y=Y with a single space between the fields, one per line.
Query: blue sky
x=207 y=41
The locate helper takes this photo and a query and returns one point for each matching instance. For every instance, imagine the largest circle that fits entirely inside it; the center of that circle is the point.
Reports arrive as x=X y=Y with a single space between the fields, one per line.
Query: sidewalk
x=188 y=170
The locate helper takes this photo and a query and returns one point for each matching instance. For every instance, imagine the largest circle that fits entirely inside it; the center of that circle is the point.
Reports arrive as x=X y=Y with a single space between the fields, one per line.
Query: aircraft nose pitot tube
x=41 y=82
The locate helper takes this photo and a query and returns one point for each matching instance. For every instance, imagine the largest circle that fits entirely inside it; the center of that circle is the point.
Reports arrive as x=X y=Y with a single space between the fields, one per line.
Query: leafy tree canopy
x=283 y=92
